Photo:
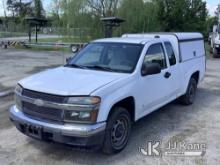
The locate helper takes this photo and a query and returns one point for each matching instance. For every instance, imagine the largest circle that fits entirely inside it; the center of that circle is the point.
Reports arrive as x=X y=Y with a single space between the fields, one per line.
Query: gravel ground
x=199 y=123
x=17 y=64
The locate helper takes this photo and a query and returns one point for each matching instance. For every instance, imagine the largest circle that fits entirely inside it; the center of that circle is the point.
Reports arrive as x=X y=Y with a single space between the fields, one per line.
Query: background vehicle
x=214 y=37
x=93 y=100
x=215 y=42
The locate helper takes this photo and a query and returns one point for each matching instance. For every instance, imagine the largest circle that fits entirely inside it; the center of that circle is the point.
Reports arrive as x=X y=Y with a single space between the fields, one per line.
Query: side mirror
x=68 y=59
x=150 y=69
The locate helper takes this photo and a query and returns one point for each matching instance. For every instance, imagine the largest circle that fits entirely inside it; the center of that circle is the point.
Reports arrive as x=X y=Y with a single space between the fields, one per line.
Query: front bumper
x=81 y=135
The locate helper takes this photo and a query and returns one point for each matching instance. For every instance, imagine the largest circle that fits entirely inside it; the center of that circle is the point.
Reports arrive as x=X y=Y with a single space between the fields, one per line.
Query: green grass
x=43 y=48
x=64 y=40
x=12 y=34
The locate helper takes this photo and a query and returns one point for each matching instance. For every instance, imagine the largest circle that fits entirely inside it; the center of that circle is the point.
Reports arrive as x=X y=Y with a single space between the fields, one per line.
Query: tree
x=182 y=15
x=141 y=16
x=56 y=8
x=18 y=8
x=211 y=21
x=77 y=14
x=38 y=9
x=103 y=8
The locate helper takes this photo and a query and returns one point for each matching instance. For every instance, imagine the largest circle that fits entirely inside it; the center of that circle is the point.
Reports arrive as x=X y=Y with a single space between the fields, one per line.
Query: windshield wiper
x=100 y=68
x=75 y=66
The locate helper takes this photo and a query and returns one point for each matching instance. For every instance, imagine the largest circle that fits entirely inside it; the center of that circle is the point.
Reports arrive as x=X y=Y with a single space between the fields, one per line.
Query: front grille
x=41 y=112
x=43 y=96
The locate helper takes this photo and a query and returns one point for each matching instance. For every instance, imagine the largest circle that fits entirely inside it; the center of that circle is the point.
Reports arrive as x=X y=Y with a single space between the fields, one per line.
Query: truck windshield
x=112 y=57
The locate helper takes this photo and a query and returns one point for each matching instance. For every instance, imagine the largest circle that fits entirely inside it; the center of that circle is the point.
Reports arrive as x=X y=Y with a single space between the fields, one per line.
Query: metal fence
x=22 y=30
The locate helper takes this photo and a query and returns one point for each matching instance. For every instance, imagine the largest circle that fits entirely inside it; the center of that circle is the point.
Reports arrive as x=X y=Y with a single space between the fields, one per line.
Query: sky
x=211 y=5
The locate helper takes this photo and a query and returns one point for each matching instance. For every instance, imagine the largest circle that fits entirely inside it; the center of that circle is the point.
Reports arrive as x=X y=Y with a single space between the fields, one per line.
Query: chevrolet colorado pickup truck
x=92 y=101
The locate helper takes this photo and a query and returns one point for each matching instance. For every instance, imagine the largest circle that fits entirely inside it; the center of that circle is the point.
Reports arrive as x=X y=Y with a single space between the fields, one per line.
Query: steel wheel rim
x=119 y=132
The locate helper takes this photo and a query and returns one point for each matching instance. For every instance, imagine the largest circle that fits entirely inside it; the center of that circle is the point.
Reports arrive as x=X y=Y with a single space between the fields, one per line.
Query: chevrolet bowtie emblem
x=39 y=102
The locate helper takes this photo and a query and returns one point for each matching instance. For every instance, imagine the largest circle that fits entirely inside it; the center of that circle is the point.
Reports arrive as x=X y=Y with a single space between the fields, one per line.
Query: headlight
x=18 y=91
x=81 y=116
x=84 y=100
x=86 y=110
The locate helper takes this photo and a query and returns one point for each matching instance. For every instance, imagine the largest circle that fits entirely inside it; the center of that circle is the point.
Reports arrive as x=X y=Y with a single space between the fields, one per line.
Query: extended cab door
x=174 y=70
x=155 y=90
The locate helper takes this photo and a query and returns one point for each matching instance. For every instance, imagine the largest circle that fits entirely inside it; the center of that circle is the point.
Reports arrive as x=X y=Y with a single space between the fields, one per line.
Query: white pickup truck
x=92 y=101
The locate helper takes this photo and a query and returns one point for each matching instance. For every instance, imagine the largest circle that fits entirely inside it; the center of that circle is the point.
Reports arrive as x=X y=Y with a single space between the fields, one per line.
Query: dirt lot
x=199 y=123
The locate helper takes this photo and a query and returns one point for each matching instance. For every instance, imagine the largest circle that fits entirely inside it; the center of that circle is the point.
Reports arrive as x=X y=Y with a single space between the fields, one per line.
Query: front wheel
x=189 y=96
x=117 y=131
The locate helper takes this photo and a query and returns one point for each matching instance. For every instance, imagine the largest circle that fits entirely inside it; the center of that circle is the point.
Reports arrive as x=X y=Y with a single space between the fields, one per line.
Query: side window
x=155 y=54
x=170 y=53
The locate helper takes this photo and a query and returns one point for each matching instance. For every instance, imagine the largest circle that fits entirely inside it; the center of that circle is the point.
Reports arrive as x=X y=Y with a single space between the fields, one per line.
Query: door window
x=155 y=54
x=170 y=53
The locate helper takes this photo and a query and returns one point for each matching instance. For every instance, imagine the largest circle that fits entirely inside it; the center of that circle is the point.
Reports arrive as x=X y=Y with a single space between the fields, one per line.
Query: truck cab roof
x=147 y=37
x=179 y=36
x=132 y=40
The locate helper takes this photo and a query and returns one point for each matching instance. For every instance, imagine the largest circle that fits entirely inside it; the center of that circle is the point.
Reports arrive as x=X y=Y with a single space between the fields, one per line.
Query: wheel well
x=196 y=76
x=127 y=103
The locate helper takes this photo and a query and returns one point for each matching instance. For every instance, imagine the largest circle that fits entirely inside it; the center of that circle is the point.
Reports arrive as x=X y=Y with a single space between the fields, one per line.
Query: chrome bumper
x=74 y=130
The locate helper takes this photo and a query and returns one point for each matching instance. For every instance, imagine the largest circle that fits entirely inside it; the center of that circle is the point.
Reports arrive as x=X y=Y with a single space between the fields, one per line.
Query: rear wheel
x=189 y=96
x=117 y=131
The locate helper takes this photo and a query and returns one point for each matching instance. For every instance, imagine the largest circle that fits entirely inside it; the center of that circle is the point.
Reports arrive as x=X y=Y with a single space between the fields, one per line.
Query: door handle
x=167 y=75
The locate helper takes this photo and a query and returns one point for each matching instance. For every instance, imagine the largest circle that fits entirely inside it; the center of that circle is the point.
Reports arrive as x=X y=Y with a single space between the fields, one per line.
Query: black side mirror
x=68 y=59
x=150 y=69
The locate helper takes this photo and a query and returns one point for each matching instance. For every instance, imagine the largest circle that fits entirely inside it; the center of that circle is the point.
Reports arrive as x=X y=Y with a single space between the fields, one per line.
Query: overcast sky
x=211 y=5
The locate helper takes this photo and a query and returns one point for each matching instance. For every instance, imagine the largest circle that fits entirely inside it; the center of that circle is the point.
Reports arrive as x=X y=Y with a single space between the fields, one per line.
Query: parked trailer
x=5 y=44
x=74 y=47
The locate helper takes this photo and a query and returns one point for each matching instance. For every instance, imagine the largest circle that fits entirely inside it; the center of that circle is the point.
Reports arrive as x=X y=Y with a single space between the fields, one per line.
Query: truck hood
x=69 y=81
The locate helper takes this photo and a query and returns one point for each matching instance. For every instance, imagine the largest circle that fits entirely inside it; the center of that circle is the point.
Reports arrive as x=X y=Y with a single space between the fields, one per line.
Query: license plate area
x=34 y=131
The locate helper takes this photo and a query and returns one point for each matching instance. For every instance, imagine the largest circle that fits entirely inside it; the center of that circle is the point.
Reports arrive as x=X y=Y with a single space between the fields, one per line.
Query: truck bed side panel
x=188 y=67
x=191 y=49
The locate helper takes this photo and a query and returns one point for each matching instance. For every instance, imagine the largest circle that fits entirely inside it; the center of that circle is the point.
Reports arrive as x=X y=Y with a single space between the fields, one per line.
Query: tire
x=189 y=96
x=117 y=131
x=74 y=48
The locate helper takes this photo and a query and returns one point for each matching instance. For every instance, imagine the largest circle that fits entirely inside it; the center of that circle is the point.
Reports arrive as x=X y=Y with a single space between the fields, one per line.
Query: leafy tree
x=211 y=21
x=103 y=8
x=18 y=7
x=182 y=15
x=38 y=9
x=140 y=16
x=55 y=10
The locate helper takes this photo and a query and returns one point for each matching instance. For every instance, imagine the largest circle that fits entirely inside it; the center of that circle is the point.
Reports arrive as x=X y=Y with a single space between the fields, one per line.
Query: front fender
x=112 y=94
